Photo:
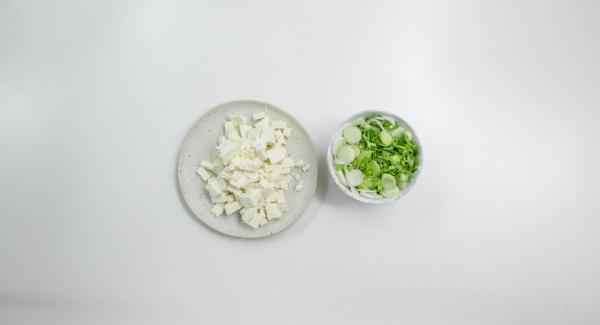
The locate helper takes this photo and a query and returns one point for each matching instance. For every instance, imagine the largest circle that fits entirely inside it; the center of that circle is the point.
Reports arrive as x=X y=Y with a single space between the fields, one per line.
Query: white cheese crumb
x=217 y=209
x=203 y=173
x=258 y=115
x=232 y=207
x=276 y=154
x=208 y=165
x=299 y=186
x=306 y=167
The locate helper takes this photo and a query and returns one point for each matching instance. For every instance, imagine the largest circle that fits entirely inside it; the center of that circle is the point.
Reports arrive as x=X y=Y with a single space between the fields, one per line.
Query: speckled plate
x=199 y=145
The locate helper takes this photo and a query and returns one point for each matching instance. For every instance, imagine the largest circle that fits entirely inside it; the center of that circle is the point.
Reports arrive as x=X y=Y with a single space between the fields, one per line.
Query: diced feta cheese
x=248 y=214
x=218 y=166
x=258 y=115
x=262 y=123
x=228 y=150
x=299 y=186
x=251 y=197
x=284 y=182
x=283 y=206
x=238 y=179
x=215 y=185
x=244 y=129
x=279 y=137
x=287 y=162
x=262 y=154
x=236 y=191
x=273 y=211
x=256 y=221
x=306 y=167
x=232 y=207
x=272 y=197
x=208 y=165
x=248 y=164
x=266 y=186
x=276 y=154
x=231 y=131
x=280 y=197
x=253 y=169
x=287 y=132
x=252 y=177
x=217 y=209
x=253 y=133
x=203 y=173
x=218 y=197
x=237 y=119
x=263 y=221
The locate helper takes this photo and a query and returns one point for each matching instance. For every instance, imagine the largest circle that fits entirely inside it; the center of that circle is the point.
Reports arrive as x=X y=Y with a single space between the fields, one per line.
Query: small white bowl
x=356 y=195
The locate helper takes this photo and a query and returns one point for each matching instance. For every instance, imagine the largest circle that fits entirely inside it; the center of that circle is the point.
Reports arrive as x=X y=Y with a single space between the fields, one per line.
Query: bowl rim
x=356 y=195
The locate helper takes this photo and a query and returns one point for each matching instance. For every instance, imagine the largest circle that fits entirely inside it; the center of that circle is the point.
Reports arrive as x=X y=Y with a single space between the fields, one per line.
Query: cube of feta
x=252 y=177
x=249 y=164
x=262 y=123
x=283 y=206
x=244 y=129
x=215 y=185
x=231 y=131
x=268 y=133
x=273 y=211
x=287 y=132
x=253 y=133
x=238 y=179
x=279 y=137
x=217 y=166
x=284 y=182
x=256 y=221
x=208 y=165
x=276 y=154
x=236 y=191
x=248 y=214
x=300 y=163
x=232 y=207
x=266 y=186
x=217 y=209
x=306 y=167
x=280 y=197
x=258 y=115
x=218 y=197
x=251 y=197
x=237 y=119
x=228 y=150
x=203 y=173
x=287 y=162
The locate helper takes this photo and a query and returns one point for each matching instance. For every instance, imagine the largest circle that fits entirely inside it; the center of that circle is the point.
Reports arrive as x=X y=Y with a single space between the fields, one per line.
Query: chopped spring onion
x=354 y=178
x=345 y=154
x=352 y=134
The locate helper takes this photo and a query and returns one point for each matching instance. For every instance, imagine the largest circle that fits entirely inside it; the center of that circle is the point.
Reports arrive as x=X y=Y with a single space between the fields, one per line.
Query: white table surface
x=503 y=226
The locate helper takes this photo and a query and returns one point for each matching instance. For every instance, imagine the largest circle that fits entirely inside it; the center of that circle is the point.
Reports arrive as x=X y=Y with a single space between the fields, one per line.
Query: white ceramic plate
x=199 y=145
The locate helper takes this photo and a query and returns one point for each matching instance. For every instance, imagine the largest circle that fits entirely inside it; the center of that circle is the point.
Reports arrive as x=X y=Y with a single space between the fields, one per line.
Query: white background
x=503 y=226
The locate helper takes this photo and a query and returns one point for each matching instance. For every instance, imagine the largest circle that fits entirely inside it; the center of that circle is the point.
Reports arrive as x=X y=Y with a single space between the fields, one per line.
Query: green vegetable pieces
x=377 y=156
